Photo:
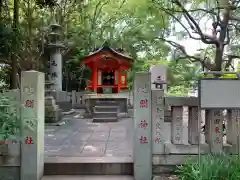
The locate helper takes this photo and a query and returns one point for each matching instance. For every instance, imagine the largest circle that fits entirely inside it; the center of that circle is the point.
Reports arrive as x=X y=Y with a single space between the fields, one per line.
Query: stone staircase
x=105 y=111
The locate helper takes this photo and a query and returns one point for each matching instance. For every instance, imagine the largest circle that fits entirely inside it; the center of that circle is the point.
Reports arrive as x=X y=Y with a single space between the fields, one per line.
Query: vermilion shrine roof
x=106 y=50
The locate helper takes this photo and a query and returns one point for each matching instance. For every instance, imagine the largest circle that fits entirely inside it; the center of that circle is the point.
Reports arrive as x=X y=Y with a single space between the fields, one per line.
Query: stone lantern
x=55 y=46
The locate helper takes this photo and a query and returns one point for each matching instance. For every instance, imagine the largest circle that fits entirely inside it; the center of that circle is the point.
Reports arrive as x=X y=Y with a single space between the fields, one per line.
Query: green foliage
x=5 y=39
x=9 y=121
x=211 y=167
x=3 y=78
x=133 y=26
x=178 y=90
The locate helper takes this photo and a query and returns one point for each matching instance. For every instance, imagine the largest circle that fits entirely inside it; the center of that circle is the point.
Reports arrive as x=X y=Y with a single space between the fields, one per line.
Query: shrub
x=211 y=167
x=9 y=121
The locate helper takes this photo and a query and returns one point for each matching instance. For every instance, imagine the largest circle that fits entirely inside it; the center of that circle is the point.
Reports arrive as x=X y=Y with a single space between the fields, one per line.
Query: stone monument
x=142 y=130
x=32 y=116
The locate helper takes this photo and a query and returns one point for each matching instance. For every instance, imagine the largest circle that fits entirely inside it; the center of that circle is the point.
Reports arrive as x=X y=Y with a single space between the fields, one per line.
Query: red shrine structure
x=109 y=70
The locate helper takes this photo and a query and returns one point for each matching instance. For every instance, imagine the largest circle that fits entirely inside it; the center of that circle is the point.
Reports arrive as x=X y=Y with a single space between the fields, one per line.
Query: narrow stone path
x=81 y=137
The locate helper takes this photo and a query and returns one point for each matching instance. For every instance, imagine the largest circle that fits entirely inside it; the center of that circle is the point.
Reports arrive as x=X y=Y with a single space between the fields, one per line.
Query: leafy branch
x=221 y=16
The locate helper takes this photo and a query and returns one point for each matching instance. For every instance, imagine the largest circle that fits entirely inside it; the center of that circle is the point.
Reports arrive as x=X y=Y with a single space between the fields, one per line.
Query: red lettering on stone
x=143 y=124
x=29 y=104
x=144 y=103
x=28 y=140
x=143 y=140
x=217 y=130
x=157 y=140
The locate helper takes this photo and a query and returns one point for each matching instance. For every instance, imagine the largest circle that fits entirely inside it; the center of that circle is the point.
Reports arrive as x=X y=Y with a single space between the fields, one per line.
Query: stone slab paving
x=81 y=137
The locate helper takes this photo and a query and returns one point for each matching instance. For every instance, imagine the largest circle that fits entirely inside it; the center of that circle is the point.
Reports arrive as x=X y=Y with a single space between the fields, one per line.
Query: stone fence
x=77 y=98
x=168 y=129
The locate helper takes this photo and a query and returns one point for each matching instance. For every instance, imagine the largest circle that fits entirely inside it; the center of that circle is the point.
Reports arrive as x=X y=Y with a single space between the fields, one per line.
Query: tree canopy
x=143 y=29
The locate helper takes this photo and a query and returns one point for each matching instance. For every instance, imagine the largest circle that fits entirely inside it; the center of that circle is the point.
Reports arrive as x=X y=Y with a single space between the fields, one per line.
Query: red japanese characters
x=29 y=104
x=157 y=140
x=28 y=140
x=143 y=140
x=144 y=103
x=217 y=130
x=143 y=124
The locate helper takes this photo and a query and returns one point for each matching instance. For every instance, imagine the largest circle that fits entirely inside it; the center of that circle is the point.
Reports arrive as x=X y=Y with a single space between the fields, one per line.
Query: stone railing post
x=179 y=126
x=213 y=127
x=142 y=129
x=158 y=121
x=32 y=117
x=233 y=128
x=193 y=125
x=73 y=98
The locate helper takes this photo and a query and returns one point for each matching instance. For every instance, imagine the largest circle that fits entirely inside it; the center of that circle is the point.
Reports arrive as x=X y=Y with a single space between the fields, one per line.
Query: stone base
x=92 y=102
x=10 y=172
x=52 y=115
x=52 y=112
x=102 y=119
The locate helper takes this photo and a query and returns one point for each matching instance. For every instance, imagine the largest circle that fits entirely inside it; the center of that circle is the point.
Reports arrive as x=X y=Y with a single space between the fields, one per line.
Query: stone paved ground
x=81 y=137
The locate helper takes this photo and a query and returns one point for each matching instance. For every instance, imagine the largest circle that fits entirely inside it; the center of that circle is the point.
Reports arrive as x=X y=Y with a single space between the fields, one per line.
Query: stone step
x=105 y=114
x=105 y=119
x=88 y=177
x=106 y=108
x=88 y=166
x=106 y=103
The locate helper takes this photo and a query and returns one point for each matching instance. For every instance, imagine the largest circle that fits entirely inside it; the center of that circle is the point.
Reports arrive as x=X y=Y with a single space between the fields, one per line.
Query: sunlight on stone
x=92 y=148
x=77 y=116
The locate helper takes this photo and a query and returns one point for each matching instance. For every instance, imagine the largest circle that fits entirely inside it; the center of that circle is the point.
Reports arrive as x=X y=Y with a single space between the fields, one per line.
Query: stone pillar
x=55 y=63
x=158 y=121
x=142 y=129
x=193 y=125
x=159 y=71
x=213 y=127
x=179 y=126
x=32 y=116
x=56 y=69
x=233 y=128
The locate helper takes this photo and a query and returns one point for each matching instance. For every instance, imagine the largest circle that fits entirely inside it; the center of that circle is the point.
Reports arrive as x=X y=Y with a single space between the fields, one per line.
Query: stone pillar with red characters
x=158 y=121
x=142 y=128
x=32 y=116
x=214 y=119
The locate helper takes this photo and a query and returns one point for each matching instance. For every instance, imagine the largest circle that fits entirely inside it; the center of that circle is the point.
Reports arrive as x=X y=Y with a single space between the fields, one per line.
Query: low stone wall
x=10 y=161
x=181 y=133
x=175 y=127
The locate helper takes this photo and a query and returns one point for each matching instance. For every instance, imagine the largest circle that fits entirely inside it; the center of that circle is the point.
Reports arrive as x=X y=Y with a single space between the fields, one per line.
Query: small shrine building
x=109 y=70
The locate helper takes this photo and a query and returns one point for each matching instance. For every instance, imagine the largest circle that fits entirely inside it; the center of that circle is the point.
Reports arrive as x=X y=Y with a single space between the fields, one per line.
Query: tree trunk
x=13 y=82
x=218 y=59
x=1 y=6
